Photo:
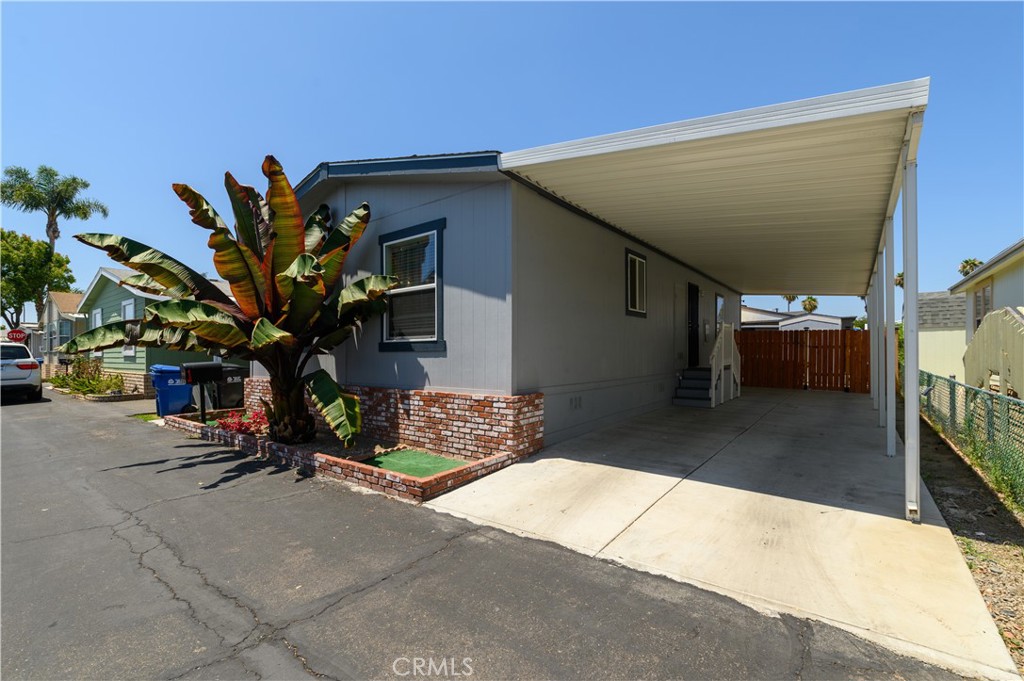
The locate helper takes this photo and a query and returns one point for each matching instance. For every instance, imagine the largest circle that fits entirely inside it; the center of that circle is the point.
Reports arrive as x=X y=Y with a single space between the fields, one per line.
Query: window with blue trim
x=414 y=318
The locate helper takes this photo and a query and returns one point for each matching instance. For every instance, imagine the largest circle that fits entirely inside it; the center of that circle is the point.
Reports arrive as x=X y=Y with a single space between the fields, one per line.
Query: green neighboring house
x=105 y=301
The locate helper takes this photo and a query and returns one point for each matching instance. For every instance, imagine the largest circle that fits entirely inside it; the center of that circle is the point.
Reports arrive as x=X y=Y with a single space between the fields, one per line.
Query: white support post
x=911 y=392
x=880 y=338
x=890 y=339
x=873 y=325
x=883 y=403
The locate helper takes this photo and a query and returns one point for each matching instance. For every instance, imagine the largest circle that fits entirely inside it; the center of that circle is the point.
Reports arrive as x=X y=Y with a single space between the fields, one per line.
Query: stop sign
x=16 y=336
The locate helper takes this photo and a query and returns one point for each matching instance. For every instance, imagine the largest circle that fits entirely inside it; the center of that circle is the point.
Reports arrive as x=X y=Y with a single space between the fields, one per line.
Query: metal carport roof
x=789 y=198
x=792 y=198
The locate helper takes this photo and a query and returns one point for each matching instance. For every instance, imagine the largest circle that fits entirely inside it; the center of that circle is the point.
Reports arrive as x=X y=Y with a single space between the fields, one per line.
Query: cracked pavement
x=132 y=552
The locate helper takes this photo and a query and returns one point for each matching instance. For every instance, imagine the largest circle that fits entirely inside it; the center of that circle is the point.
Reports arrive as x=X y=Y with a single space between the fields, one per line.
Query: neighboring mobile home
x=995 y=322
x=105 y=301
x=997 y=283
x=60 y=323
x=943 y=339
x=754 y=318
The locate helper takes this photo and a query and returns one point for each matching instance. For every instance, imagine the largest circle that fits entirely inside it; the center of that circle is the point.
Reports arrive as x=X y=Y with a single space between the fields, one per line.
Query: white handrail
x=724 y=355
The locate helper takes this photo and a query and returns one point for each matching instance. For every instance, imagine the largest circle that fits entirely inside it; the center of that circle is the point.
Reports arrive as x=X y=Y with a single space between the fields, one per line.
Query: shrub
x=251 y=424
x=86 y=377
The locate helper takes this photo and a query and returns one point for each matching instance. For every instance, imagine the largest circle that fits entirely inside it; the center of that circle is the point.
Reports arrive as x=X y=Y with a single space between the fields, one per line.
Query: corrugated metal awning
x=789 y=198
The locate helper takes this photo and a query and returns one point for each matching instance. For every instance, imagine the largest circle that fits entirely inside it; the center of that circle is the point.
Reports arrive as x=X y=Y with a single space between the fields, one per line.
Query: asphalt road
x=131 y=552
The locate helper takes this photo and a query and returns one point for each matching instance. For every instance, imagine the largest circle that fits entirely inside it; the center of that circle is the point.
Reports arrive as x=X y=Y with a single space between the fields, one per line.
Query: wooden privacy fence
x=816 y=360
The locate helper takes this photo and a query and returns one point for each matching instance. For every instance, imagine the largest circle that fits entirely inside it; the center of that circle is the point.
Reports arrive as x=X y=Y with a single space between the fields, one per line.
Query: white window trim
x=640 y=283
x=97 y=312
x=411 y=289
x=127 y=350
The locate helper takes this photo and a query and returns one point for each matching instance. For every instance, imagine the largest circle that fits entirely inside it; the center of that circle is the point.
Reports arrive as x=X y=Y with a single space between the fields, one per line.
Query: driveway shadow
x=243 y=464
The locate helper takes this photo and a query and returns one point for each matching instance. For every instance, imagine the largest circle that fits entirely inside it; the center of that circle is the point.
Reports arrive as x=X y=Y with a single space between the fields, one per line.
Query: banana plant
x=287 y=303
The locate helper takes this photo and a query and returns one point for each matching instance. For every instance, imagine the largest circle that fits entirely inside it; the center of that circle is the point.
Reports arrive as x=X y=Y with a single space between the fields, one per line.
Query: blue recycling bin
x=173 y=394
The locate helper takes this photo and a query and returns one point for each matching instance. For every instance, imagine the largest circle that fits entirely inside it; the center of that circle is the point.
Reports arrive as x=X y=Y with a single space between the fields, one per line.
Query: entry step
x=689 y=402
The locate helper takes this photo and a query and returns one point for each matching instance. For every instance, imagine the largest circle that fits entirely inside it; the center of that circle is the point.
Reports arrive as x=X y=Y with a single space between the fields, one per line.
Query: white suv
x=19 y=372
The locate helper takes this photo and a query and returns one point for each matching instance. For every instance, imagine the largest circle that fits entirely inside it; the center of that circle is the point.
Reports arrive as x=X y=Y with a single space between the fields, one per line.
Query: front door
x=693 y=325
x=681 y=328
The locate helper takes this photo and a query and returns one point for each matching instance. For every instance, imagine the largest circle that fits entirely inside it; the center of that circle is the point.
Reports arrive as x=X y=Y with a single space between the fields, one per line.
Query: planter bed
x=123 y=397
x=346 y=464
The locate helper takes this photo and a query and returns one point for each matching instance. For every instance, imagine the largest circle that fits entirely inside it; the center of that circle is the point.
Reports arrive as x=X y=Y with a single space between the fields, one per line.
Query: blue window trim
x=642 y=258
x=439 y=345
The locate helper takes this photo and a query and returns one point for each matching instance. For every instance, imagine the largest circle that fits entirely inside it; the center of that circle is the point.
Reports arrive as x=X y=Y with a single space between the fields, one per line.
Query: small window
x=65 y=332
x=413 y=320
x=97 y=321
x=127 y=312
x=636 y=284
x=982 y=303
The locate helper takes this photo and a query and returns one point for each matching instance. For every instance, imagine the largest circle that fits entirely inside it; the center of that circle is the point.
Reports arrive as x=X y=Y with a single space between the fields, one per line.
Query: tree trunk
x=290 y=419
x=52 y=231
x=13 y=318
x=40 y=303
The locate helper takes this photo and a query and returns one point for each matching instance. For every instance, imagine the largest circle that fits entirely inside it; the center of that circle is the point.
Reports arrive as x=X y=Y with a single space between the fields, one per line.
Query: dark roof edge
x=555 y=198
x=987 y=268
x=476 y=161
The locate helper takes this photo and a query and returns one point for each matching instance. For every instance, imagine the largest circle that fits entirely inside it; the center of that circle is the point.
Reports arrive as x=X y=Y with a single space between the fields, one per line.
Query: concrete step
x=684 y=402
x=693 y=393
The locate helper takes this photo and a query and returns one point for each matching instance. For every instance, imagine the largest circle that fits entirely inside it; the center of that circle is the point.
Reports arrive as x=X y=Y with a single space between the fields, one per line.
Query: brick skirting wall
x=135 y=383
x=377 y=479
x=458 y=424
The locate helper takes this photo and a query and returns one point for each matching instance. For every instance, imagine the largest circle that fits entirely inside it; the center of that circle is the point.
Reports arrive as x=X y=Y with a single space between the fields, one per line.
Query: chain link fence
x=988 y=428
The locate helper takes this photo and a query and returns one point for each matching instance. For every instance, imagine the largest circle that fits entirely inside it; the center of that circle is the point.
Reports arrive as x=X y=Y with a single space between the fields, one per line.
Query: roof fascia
x=999 y=261
x=911 y=94
x=104 y=274
x=88 y=290
x=421 y=165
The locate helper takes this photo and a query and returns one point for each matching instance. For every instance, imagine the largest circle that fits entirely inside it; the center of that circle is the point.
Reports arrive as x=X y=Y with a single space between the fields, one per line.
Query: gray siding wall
x=1008 y=287
x=572 y=339
x=476 y=283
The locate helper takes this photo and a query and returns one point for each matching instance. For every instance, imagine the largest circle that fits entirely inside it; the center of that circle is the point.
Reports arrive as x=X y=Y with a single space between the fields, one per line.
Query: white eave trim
x=911 y=95
x=103 y=274
x=997 y=263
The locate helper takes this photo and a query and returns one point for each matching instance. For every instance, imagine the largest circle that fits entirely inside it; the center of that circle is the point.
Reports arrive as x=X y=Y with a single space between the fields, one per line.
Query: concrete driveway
x=782 y=500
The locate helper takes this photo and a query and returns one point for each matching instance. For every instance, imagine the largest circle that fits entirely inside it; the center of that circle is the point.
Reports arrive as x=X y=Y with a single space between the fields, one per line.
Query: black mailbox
x=201 y=372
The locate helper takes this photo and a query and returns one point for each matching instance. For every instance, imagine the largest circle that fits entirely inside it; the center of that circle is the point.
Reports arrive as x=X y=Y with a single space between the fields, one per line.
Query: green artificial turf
x=414 y=462
x=145 y=417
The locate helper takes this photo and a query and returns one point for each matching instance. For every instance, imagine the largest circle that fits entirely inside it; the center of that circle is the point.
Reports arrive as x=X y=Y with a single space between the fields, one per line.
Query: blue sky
x=134 y=97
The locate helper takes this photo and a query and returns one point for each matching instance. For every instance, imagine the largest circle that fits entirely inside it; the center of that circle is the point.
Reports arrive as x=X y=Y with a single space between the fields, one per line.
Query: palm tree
x=810 y=304
x=968 y=265
x=898 y=281
x=789 y=298
x=50 y=193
